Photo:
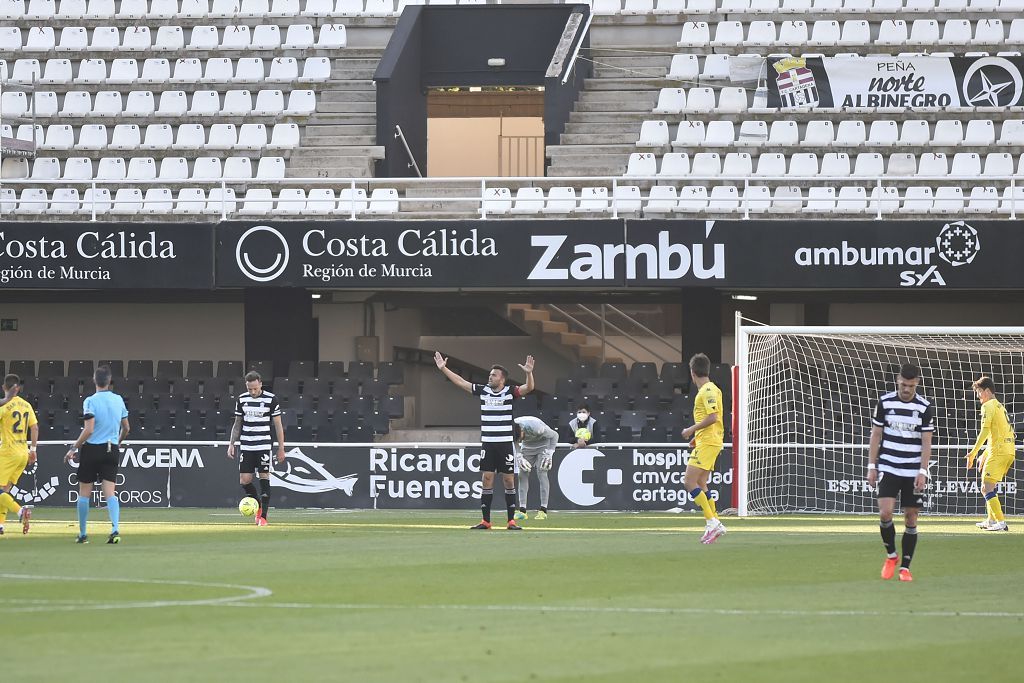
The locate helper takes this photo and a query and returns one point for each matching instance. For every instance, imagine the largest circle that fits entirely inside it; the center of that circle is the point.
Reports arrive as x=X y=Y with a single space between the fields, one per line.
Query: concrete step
x=330 y=172
x=589 y=139
x=347 y=107
x=554 y=327
x=622 y=84
x=585 y=171
x=349 y=85
x=338 y=141
x=559 y=151
x=343 y=95
x=327 y=130
x=609 y=117
x=611 y=95
x=632 y=107
x=342 y=119
x=601 y=128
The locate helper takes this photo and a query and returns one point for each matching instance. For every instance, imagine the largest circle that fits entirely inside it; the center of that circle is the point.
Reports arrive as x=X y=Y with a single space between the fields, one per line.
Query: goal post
x=804 y=402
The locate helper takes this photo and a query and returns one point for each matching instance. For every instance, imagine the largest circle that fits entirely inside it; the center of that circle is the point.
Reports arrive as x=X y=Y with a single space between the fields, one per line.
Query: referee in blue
x=106 y=425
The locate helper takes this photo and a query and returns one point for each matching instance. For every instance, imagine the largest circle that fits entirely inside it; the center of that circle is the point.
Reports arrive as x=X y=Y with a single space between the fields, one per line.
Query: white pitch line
x=249 y=593
x=687 y=611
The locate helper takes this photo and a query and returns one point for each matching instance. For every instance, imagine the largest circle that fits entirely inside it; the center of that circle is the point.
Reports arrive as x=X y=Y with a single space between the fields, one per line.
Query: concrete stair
x=340 y=139
x=605 y=123
x=555 y=334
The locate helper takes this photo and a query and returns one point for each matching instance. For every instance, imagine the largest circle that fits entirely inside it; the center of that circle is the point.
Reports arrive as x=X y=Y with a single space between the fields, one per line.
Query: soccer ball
x=583 y=433
x=248 y=506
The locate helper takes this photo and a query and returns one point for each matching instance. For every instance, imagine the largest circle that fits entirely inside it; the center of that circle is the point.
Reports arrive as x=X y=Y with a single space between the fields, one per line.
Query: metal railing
x=408 y=152
x=491 y=201
x=604 y=323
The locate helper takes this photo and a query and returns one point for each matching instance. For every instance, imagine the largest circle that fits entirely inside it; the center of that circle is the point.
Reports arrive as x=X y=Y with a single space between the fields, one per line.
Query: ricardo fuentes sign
x=105 y=256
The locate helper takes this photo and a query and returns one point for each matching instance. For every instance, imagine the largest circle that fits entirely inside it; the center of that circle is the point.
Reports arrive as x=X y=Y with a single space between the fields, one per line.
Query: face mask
x=582 y=417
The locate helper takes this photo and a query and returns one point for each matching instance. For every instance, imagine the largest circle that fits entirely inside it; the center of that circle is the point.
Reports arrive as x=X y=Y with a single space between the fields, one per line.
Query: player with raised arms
x=496 y=432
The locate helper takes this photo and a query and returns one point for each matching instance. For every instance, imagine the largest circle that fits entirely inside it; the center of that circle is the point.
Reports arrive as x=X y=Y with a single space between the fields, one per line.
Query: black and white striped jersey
x=903 y=424
x=495 y=412
x=256 y=413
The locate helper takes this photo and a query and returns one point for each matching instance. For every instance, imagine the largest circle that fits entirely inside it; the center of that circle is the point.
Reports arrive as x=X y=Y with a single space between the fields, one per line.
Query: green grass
x=415 y=596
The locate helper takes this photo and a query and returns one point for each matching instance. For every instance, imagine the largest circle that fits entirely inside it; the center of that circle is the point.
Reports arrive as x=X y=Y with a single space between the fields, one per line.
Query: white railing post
x=93 y=186
x=615 y=204
x=746 y=199
x=352 y=199
x=483 y=199
x=1013 y=198
x=878 y=200
x=223 y=200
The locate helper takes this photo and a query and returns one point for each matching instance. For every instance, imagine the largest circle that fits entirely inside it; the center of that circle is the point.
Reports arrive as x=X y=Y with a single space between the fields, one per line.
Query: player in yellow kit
x=708 y=432
x=998 y=456
x=17 y=422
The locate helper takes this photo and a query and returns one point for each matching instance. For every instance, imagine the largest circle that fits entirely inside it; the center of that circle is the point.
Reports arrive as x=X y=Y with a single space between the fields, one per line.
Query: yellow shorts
x=11 y=467
x=704 y=457
x=996 y=467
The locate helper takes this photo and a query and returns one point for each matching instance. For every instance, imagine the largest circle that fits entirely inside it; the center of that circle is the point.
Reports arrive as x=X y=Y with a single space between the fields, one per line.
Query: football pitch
x=201 y=595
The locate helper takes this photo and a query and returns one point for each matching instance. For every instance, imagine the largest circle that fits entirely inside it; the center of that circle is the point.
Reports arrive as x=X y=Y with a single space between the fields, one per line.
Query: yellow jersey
x=996 y=429
x=16 y=417
x=709 y=400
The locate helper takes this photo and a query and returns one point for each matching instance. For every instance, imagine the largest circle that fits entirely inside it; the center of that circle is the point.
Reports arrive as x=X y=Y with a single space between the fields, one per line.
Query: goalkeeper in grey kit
x=535 y=447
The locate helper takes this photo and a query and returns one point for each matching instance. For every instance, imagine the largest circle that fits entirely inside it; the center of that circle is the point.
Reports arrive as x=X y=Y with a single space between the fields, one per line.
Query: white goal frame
x=741 y=407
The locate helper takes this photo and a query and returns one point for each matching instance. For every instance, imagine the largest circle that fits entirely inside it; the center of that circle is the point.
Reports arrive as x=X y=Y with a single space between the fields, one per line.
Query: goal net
x=805 y=402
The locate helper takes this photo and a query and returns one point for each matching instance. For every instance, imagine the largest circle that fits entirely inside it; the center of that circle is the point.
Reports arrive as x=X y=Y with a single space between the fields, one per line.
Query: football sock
x=83 y=514
x=114 y=510
x=8 y=504
x=909 y=544
x=714 y=508
x=486 y=498
x=250 y=490
x=510 y=503
x=995 y=508
x=544 y=508
x=701 y=499
x=265 y=496
x=888 y=537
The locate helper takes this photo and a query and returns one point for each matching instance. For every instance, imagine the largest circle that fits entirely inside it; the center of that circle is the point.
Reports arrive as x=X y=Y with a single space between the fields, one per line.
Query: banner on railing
x=106 y=256
x=624 y=477
x=894 y=82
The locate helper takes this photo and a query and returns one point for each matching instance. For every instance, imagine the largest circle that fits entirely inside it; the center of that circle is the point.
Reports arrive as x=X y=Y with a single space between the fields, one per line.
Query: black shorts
x=891 y=486
x=251 y=462
x=97 y=462
x=499 y=457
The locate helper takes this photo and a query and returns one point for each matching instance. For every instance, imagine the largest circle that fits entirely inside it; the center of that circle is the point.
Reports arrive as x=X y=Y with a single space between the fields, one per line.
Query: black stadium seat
x=614 y=371
x=116 y=367
x=199 y=369
x=81 y=369
x=641 y=374
x=330 y=368
x=360 y=371
x=302 y=368
x=51 y=368
x=676 y=374
x=170 y=368
x=599 y=386
x=391 y=373
x=22 y=368
x=567 y=386
x=394 y=407
x=264 y=367
x=374 y=388
x=634 y=420
x=140 y=368
x=230 y=368
x=581 y=371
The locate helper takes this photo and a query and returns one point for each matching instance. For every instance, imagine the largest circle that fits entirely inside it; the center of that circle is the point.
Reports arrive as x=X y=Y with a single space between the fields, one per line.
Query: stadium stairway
x=605 y=123
x=555 y=334
x=340 y=139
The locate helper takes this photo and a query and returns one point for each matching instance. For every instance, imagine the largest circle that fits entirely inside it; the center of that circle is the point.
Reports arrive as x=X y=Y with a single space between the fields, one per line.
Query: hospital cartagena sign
x=106 y=256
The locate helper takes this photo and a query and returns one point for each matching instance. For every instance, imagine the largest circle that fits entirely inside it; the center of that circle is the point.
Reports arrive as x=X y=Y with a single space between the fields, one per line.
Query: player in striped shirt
x=496 y=432
x=998 y=456
x=255 y=412
x=898 y=456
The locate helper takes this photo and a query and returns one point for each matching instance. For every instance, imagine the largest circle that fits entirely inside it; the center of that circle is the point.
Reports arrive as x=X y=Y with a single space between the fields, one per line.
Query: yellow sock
x=995 y=509
x=714 y=508
x=701 y=499
x=8 y=504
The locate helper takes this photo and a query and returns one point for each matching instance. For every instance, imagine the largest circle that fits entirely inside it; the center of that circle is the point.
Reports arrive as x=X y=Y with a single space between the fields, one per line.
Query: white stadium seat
x=92 y=137
x=76 y=103
x=675 y=165
x=173 y=168
x=161 y=9
x=111 y=168
x=496 y=200
x=821 y=200
x=238 y=168
x=266 y=37
x=173 y=103
x=140 y=103
x=852 y=134
x=271 y=168
x=190 y=201
x=728 y=34
x=653 y=134
x=137 y=39
x=803 y=165
x=155 y=70
x=640 y=164
x=720 y=134
x=948 y=200
x=915 y=133
x=693 y=199
x=252 y=136
x=59 y=137
x=70 y=10
x=354 y=200
x=157 y=200
x=868 y=165
x=105 y=39
x=671 y=101
x=284 y=136
x=593 y=200
x=331 y=37
x=205 y=37
x=236 y=37
x=884 y=133
x=125 y=136
x=723 y=199
x=683 y=68
x=40 y=38
x=786 y=134
x=980 y=133
x=159 y=136
x=142 y=168
x=299 y=37
x=257 y=202
x=983 y=200
x=661 y=199
x=917 y=200
x=57 y=71
x=222 y=136
x=706 y=165
x=761 y=34
x=316 y=69
x=851 y=200
x=291 y=202
x=249 y=70
x=689 y=134
x=224 y=9
x=301 y=103
x=283 y=69
x=205 y=103
x=383 y=201
x=269 y=103
x=561 y=201
x=187 y=71
x=107 y=103
x=695 y=34
x=254 y=8
x=529 y=200
x=218 y=70
x=207 y=168
x=65 y=200
x=25 y=71
x=737 y=165
x=169 y=38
